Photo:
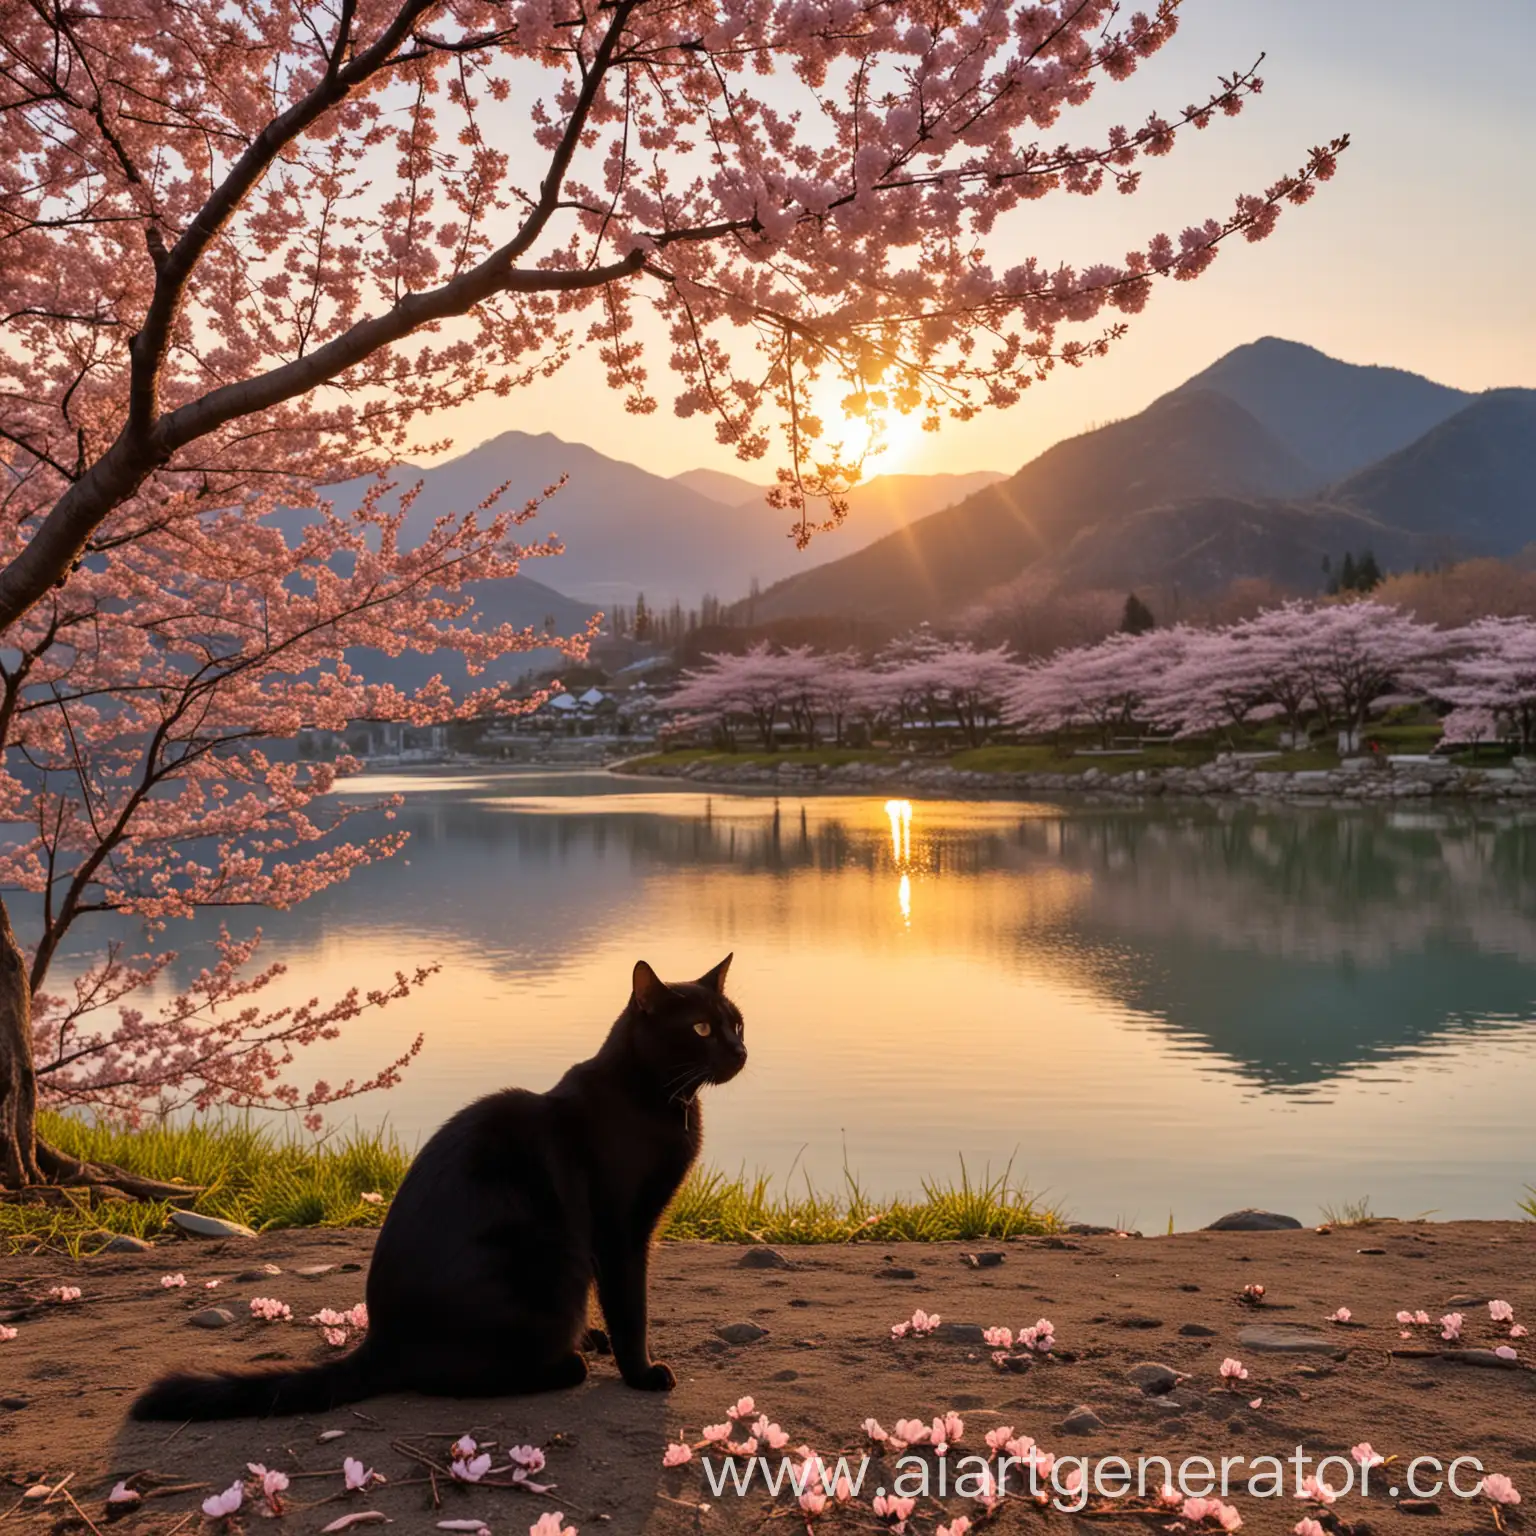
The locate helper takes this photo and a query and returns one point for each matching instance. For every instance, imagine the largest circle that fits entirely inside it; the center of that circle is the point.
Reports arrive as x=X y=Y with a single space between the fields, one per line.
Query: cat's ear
x=649 y=988
x=715 y=979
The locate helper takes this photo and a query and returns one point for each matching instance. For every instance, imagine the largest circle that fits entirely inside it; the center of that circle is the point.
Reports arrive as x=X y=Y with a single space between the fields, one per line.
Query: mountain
x=1337 y=417
x=1469 y=483
x=728 y=490
x=1189 y=444
x=627 y=531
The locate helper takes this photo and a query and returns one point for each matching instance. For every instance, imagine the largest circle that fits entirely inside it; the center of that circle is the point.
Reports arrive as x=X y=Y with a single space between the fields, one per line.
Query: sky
x=1418 y=255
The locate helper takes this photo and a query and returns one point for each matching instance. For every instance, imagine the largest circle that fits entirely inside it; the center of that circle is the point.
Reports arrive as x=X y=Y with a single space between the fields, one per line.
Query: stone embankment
x=1365 y=779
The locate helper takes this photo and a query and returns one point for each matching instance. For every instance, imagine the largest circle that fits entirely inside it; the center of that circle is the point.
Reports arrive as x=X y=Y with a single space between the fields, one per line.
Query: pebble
x=329 y=1434
x=124 y=1243
x=260 y=1272
x=1480 y=1357
x=1312 y=1372
x=1017 y=1364
x=1418 y=1506
x=786 y=1376
x=1251 y=1220
x=1468 y=1301
x=1281 y=1339
x=15 y=1403
x=1138 y=1320
x=763 y=1258
x=212 y=1317
x=741 y=1333
x=209 y=1226
x=1197 y=1331
x=1155 y=1379
x=961 y=1333
x=895 y=1272
x=982 y=1260
x=309 y=1271
x=1082 y=1421
x=1374 y=1253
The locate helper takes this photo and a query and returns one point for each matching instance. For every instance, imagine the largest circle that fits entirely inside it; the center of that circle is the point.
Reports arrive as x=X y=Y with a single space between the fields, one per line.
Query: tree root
x=106 y=1180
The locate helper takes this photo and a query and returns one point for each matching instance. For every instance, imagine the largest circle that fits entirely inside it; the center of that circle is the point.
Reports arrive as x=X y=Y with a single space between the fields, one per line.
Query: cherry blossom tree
x=1488 y=673
x=139 y=705
x=1104 y=685
x=245 y=252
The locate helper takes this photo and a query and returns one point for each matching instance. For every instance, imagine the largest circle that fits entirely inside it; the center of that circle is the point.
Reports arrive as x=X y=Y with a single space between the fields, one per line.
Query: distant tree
x=642 y=618
x=1367 y=573
x=1137 y=618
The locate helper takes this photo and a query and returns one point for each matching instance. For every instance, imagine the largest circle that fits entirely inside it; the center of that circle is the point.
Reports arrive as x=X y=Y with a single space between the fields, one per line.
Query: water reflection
x=1186 y=1006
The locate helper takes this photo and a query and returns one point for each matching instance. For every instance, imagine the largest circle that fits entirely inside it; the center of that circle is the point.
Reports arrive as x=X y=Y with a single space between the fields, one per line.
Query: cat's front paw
x=656 y=1377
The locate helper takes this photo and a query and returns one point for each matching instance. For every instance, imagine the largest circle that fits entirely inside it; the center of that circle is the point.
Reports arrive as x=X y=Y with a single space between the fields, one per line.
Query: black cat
x=482 y=1272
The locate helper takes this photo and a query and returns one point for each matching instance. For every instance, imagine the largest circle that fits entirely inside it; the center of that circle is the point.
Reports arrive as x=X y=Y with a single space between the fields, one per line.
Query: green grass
x=1528 y=1205
x=1046 y=759
x=254 y=1175
x=816 y=757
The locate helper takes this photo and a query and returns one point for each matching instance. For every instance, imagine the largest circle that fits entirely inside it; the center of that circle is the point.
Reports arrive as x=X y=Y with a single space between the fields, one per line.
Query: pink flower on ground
x=1501 y=1312
x=1518 y=1331
x=676 y=1455
x=335 y=1337
x=371 y=1197
x=999 y=1437
x=1255 y=1402
x=1233 y=1370
x=358 y=1316
x=1319 y=1492
x=273 y=1485
x=769 y=1433
x=270 y=1310
x=1366 y=1455
x=1198 y=1510
x=551 y=1525
x=210 y=1285
x=1450 y=1325
x=463 y=1448
x=172 y=1282
x=527 y=1458
x=1421 y=1316
x=473 y=1470
x=123 y=1494
x=356 y=1475
x=1309 y=1527
x=957 y=1527
x=64 y=1293
x=888 y=1506
x=873 y=1428
x=911 y=1431
x=1343 y=1315
x=6 y=1334
x=813 y=1501
x=1406 y=1318
x=999 y=1338
x=217 y=1505
x=744 y=1408
x=747 y=1447
x=1170 y=1496
x=715 y=1433
x=1499 y=1489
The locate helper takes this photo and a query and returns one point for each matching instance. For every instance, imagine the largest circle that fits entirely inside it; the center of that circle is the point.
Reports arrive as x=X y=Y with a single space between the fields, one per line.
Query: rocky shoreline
x=1363 y=779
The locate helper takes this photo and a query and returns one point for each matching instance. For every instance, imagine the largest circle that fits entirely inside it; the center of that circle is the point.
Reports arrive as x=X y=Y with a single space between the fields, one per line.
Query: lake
x=1151 y=1011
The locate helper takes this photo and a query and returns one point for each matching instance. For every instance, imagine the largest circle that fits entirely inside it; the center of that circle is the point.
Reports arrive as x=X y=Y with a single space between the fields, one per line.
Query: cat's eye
x=702 y=1027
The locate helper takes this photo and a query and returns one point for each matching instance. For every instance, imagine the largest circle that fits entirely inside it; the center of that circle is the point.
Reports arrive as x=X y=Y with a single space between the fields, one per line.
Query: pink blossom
x=875 y=1431
x=957 y=1527
x=1517 y=1331
x=527 y=1458
x=6 y=1334
x=1343 y=1315
x=716 y=1433
x=1233 y=1370
x=1406 y=1318
x=894 y=1509
x=463 y=1448
x=218 y=1505
x=172 y=1282
x=813 y=1501
x=1501 y=1312
x=270 y=1310
x=999 y=1437
x=551 y=1524
x=1365 y=1455
x=1499 y=1489
x=122 y=1494
x=335 y=1337
x=1307 y=1526
x=1255 y=1402
x=744 y=1408
x=910 y=1432
x=1318 y=1491
x=273 y=1485
x=1450 y=1325
x=371 y=1197
x=356 y=1475
x=64 y=1293
x=1421 y=1316
x=999 y=1338
x=676 y=1454
x=1199 y=1510
x=471 y=1470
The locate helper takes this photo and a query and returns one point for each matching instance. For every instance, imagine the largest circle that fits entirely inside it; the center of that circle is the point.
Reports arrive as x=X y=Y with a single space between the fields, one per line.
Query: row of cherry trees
x=1312 y=666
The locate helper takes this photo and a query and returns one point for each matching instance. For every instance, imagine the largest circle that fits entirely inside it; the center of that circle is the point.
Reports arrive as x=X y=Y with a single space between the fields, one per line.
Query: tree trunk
x=18 y=1081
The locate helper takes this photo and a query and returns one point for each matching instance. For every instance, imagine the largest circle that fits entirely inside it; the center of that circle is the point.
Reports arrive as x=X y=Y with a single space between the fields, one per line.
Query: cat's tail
x=256 y=1393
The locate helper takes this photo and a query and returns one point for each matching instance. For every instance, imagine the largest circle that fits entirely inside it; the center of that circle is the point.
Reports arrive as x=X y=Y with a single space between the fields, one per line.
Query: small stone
x=1418 y=1506
x=982 y=1260
x=1082 y=1421
x=15 y=1403
x=327 y=1435
x=1197 y=1331
x=961 y=1333
x=1468 y=1301
x=1250 y=1220
x=786 y=1376
x=309 y=1271
x=212 y=1317
x=209 y=1226
x=1155 y=1379
x=1017 y=1364
x=260 y=1272
x=1138 y=1320
x=1188 y=1287
x=1281 y=1339
x=1480 y=1357
x=124 y=1243
x=741 y=1333
x=763 y=1258
x=1312 y=1372
x=1087 y=1229
x=350 y=1269
x=1374 y=1253
x=895 y=1272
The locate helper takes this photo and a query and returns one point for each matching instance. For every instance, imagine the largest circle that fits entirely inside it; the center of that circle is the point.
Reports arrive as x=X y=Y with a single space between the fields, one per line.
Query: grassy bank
x=263 y=1179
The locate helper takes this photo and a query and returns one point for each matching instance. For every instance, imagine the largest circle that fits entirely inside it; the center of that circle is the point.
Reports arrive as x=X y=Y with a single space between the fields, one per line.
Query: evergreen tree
x=1137 y=618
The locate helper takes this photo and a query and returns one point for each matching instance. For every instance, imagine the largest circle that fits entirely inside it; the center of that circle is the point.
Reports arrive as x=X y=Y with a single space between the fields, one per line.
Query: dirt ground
x=825 y=1364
